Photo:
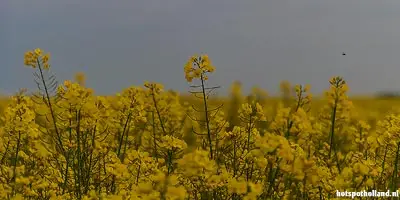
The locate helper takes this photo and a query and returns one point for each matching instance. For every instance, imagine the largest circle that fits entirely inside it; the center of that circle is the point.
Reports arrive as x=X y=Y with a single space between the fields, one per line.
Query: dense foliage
x=147 y=143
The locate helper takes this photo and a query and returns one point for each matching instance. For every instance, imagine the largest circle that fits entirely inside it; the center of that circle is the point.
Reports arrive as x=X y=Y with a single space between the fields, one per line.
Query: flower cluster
x=197 y=67
x=37 y=58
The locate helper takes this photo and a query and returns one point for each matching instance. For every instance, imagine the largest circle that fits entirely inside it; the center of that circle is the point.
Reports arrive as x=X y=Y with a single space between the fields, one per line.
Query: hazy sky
x=259 y=42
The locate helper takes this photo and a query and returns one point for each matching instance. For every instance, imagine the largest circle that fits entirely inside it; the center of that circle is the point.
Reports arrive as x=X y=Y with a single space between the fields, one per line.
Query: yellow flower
x=38 y=52
x=369 y=182
x=176 y=193
x=46 y=58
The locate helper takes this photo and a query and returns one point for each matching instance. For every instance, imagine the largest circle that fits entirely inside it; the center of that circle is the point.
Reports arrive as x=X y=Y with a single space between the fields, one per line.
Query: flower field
x=64 y=142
